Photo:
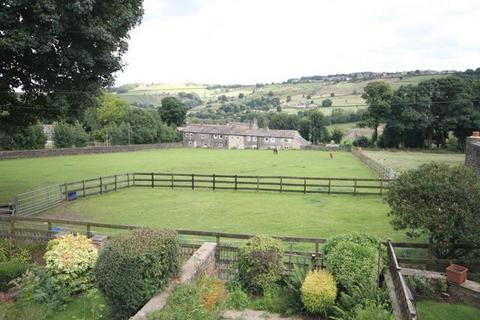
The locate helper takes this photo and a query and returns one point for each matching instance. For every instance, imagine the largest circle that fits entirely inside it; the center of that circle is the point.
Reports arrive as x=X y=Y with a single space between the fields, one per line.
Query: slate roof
x=239 y=131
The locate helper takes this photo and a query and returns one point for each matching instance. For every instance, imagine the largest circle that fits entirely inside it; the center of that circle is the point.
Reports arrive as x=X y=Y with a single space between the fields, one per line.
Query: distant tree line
x=429 y=114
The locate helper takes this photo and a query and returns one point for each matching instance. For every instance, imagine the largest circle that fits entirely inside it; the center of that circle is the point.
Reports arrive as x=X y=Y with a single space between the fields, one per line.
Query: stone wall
x=472 y=152
x=85 y=150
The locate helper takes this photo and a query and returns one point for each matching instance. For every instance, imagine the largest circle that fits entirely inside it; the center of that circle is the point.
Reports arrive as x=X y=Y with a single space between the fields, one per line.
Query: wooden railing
x=402 y=292
x=352 y=186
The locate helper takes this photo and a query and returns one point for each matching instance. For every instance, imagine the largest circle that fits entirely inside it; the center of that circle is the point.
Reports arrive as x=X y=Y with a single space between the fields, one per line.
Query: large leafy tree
x=378 y=95
x=59 y=54
x=173 y=111
x=439 y=201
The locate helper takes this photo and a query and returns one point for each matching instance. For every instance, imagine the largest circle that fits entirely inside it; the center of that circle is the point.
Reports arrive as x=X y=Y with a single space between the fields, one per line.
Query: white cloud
x=249 y=41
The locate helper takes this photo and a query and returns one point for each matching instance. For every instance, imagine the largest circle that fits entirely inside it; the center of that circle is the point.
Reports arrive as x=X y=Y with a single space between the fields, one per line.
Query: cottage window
x=266 y=139
x=254 y=138
x=248 y=138
x=272 y=139
x=287 y=140
x=220 y=145
x=215 y=136
x=189 y=142
x=221 y=137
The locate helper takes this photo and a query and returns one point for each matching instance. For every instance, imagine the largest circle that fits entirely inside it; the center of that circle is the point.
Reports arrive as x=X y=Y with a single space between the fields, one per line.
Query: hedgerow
x=134 y=266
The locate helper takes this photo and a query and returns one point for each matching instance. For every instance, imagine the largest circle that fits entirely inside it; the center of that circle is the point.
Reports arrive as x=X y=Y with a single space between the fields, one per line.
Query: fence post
x=193 y=181
x=134 y=179
x=152 y=180
x=304 y=186
x=101 y=185
x=12 y=227
x=49 y=234
x=171 y=182
x=235 y=182
x=317 y=252
x=329 y=185
x=354 y=186
x=66 y=192
x=258 y=183
x=128 y=180
x=281 y=184
x=115 y=177
x=213 y=181
x=83 y=187
x=217 y=252
x=381 y=187
x=89 y=232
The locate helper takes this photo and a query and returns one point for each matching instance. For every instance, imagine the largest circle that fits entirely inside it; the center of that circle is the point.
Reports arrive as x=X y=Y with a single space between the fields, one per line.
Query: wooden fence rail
x=402 y=292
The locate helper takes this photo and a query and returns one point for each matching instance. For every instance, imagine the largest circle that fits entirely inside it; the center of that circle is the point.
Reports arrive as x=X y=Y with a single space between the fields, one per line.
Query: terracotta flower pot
x=456 y=273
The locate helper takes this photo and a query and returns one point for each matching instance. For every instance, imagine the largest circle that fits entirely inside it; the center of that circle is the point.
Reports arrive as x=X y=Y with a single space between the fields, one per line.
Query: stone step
x=254 y=315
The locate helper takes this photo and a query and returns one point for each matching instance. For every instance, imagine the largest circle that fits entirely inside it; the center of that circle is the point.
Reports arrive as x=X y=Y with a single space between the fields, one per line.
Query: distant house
x=240 y=136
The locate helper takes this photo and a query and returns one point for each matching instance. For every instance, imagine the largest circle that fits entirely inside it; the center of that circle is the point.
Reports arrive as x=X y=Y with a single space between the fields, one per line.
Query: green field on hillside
x=404 y=160
x=20 y=175
x=238 y=212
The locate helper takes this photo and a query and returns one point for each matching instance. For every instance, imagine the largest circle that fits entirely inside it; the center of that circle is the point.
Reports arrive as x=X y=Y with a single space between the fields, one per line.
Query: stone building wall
x=472 y=152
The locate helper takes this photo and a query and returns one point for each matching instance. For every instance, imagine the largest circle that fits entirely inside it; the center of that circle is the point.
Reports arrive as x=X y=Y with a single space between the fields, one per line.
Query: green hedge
x=135 y=266
x=260 y=263
x=355 y=237
x=11 y=270
x=352 y=264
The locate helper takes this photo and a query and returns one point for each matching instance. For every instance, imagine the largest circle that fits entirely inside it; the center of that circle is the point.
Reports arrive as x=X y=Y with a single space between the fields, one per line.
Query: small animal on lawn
x=275 y=151
x=331 y=155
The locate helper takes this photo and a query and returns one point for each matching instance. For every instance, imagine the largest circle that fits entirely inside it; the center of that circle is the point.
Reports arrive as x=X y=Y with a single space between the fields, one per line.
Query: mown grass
x=434 y=310
x=20 y=175
x=237 y=212
x=404 y=160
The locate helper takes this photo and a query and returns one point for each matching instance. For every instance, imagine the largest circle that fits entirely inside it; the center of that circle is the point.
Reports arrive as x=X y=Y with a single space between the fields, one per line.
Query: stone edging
x=382 y=170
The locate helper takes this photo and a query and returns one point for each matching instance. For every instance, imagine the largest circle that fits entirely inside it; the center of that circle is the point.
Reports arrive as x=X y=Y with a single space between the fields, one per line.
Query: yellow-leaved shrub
x=70 y=261
x=318 y=291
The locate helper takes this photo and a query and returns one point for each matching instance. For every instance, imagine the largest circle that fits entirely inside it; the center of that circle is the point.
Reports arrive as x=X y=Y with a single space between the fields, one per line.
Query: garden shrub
x=373 y=312
x=237 y=298
x=38 y=288
x=318 y=291
x=11 y=270
x=293 y=286
x=363 y=239
x=260 y=263
x=20 y=251
x=360 y=300
x=352 y=264
x=134 y=266
x=203 y=300
x=70 y=261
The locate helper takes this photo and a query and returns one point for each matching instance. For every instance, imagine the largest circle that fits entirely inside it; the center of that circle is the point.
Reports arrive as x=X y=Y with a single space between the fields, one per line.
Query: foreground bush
x=260 y=263
x=440 y=201
x=363 y=239
x=11 y=270
x=203 y=300
x=352 y=264
x=134 y=266
x=319 y=291
x=70 y=261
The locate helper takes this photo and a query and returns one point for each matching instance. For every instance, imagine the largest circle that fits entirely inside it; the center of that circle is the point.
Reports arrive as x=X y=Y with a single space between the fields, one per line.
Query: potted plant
x=456 y=273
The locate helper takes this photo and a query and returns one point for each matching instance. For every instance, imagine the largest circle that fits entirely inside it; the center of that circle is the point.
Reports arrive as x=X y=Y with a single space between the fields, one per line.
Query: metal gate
x=38 y=200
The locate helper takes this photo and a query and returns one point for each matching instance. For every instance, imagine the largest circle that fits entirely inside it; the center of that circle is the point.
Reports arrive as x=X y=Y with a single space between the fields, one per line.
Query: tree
x=304 y=128
x=66 y=135
x=112 y=110
x=336 y=135
x=283 y=121
x=441 y=201
x=241 y=95
x=327 y=103
x=378 y=95
x=30 y=138
x=318 y=130
x=173 y=111
x=289 y=98
x=332 y=94
x=60 y=53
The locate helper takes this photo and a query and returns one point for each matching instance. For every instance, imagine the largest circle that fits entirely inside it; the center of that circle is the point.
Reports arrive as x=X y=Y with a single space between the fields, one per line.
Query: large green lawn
x=238 y=212
x=404 y=160
x=20 y=175
x=434 y=310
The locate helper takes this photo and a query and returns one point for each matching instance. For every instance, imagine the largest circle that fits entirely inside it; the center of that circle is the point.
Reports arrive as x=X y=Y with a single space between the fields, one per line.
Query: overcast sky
x=251 y=41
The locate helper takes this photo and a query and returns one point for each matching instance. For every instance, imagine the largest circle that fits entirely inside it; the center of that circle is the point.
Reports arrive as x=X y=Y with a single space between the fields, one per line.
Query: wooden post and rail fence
x=44 y=198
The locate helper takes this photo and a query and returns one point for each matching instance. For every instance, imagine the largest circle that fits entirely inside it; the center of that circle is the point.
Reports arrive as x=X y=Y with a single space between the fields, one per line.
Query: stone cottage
x=238 y=135
x=472 y=152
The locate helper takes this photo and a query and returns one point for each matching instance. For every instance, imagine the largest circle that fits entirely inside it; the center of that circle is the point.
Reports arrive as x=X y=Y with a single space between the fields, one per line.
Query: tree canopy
x=59 y=54
x=377 y=95
x=173 y=111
